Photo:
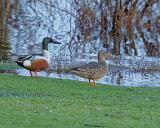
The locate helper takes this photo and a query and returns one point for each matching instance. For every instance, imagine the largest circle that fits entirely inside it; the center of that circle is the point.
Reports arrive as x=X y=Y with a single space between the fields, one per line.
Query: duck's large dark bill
x=55 y=42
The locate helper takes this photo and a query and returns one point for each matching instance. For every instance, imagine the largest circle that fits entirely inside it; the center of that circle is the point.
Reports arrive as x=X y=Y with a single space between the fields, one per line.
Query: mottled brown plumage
x=93 y=70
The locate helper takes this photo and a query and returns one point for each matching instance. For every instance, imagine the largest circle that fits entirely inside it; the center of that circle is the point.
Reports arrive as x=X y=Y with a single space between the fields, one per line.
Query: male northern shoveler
x=93 y=70
x=37 y=62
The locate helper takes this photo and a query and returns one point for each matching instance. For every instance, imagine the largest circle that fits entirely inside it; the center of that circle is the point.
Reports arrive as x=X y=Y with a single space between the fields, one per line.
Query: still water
x=135 y=48
x=124 y=74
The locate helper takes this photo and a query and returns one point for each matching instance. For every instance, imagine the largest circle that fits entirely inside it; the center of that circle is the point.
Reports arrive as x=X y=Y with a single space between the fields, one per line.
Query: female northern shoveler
x=37 y=62
x=93 y=70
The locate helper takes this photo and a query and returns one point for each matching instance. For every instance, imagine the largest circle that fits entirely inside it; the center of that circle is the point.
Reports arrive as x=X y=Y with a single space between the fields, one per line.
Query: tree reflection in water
x=127 y=29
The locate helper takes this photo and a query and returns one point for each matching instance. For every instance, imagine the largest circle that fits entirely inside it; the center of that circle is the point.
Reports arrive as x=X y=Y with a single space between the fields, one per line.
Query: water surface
x=135 y=48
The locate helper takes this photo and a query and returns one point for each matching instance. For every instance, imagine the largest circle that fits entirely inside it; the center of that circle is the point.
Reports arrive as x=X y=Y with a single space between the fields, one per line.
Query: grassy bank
x=48 y=102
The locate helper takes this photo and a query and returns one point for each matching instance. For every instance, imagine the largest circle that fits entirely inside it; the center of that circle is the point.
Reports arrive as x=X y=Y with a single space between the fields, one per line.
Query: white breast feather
x=27 y=63
x=46 y=55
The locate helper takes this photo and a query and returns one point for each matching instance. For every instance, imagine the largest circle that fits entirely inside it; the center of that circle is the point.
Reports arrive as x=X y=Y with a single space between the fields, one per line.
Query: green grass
x=42 y=102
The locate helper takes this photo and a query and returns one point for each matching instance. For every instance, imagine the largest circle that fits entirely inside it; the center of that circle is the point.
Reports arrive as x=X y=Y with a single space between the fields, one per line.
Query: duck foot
x=35 y=74
x=93 y=82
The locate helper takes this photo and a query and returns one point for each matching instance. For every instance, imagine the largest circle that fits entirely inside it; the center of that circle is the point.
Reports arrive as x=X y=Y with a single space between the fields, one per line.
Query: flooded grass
x=9 y=66
x=117 y=74
x=49 y=102
x=124 y=29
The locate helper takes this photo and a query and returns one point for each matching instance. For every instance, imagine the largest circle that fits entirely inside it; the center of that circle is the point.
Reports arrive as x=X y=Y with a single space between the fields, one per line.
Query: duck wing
x=22 y=58
x=93 y=70
x=86 y=68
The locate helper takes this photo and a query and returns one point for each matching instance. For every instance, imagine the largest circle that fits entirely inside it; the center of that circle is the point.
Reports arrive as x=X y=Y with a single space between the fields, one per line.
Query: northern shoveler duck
x=37 y=62
x=93 y=70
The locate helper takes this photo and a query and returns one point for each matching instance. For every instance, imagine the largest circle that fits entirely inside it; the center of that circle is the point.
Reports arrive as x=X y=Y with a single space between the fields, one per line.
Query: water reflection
x=129 y=32
x=4 y=40
x=115 y=76
x=14 y=72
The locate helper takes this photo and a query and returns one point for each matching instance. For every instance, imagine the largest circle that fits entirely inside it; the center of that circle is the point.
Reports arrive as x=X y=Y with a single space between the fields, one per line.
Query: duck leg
x=90 y=82
x=35 y=73
x=31 y=74
x=94 y=82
